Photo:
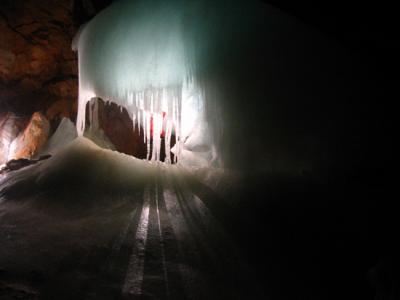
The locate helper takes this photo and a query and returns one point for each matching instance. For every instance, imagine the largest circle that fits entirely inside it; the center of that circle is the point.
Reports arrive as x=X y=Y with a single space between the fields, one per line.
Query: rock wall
x=37 y=65
x=39 y=77
x=118 y=126
x=38 y=69
x=10 y=127
x=38 y=73
x=29 y=142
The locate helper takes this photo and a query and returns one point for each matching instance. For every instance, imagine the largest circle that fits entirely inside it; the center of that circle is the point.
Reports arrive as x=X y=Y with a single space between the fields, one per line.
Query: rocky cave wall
x=39 y=74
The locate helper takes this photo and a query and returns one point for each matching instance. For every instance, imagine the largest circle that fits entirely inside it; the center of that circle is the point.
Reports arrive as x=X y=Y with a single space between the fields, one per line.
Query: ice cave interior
x=188 y=149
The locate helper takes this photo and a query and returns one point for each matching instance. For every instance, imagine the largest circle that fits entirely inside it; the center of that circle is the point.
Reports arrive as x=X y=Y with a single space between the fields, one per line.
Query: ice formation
x=156 y=58
x=214 y=75
x=134 y=54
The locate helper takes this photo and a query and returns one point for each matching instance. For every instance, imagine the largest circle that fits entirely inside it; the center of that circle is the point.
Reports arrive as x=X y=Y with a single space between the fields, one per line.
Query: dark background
x=338 y=240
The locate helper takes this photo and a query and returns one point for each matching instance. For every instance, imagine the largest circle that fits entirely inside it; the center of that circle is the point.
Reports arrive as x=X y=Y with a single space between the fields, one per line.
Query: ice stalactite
x=157 y=113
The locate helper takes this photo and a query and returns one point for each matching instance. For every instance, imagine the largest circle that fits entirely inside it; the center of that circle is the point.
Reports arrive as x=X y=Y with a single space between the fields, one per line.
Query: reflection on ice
x=134 y=275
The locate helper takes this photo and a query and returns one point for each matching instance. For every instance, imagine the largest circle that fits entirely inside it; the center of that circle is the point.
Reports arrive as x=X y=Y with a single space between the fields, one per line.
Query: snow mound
x=81 y=165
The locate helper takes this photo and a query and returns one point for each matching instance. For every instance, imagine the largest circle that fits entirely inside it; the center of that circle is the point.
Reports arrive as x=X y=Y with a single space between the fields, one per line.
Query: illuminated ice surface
x=134 y=54
x=212 y=74
x=155 y=58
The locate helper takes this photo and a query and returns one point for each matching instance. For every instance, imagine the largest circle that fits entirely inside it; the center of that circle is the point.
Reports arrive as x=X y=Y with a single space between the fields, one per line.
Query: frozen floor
x=163 y=241
x=90 y=223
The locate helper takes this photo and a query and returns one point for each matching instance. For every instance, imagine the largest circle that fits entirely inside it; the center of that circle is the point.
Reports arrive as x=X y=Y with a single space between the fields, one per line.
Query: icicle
x=154 y=138
x=80 y=119
x=168 y=133
x=130 y=99
x=132 y=114
x=148 y=133
x=157 y=119
x=144 y=126
x=159 y=133
x=140 y=121
x=157 y=112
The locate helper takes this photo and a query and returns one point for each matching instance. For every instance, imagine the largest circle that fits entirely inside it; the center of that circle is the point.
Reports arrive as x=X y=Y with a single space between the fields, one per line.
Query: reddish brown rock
x=118 y=128
x=10 y=127
x=62 y=109
x=7 y=61
x=29 y=142
x=37 y=64
x=39 y=72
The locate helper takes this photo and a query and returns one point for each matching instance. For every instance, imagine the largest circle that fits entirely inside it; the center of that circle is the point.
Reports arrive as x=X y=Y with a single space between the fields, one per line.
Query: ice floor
x=90 y=223
x=160 y=243
x=159 y=239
